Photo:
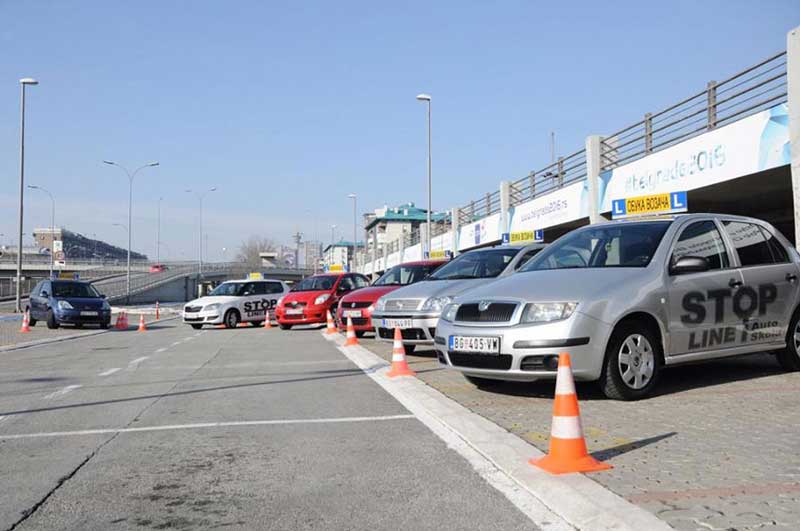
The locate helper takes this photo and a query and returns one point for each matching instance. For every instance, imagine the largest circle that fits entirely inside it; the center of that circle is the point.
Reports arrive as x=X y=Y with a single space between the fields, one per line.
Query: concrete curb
x=49 y=340
x=581 y=502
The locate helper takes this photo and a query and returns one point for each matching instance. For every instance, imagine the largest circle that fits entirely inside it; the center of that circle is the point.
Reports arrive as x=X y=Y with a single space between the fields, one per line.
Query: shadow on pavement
x=614 y=451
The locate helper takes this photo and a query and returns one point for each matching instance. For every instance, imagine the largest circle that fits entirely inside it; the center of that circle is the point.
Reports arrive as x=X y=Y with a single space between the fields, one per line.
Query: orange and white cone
x=142 y=327
x=399 y=364
x=568 y=451
x=330 y=328
x=267 y=321
x=158 y=315
x=26 y=323
x=124 y=320
x=118 y=324
x=351 y=334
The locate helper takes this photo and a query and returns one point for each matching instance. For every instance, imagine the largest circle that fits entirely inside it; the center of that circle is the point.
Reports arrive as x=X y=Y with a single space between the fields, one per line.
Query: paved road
x=243 y=429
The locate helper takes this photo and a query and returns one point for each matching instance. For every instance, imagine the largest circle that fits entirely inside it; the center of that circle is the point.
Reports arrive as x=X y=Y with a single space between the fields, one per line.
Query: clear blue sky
x=287 y=107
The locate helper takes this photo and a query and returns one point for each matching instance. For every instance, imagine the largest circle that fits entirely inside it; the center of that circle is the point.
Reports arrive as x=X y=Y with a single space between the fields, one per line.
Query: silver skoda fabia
x=626 y=298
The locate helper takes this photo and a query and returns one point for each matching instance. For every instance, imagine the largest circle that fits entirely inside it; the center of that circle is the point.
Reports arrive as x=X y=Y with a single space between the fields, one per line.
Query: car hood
x=304 y=296
x=204 y=301
x=439 y=288
x=561 y=285
x=370 y=294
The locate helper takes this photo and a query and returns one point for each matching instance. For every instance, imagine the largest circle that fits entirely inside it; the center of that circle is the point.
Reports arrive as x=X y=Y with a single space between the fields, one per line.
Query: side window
x=702 y=239
x=248 y=289
x=346 y=284
x=260 y=288
x=750 y=243
x=778 y=250
x=527 y=256
x=361 y=282
x=37 y=289
x=274 y=287
x=45 y=287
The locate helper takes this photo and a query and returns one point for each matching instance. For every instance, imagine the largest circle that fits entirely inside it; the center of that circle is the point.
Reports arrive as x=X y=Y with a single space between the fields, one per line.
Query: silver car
x=627 y=298
x=415 y=309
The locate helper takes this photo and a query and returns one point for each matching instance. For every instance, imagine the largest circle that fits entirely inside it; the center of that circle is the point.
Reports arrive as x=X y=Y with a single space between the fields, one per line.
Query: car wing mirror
x=103 y=296
x=688 y=264
x=44 y=294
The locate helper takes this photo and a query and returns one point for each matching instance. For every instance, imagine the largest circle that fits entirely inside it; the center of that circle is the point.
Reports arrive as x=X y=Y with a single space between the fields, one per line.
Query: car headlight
x=370 y=308
x=280 y=301
x=544 y=312
x=449 y=313
x=380 y=304
x=211 y=307
x=64 y=305
x=321 y=299
x=436 y=303
x=106 y=306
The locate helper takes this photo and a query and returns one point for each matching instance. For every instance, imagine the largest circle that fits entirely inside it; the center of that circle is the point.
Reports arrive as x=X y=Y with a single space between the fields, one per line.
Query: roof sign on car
x=335 y=268
x=439 y=255
x=255 y=276
x=525 y=236
x=649 y=204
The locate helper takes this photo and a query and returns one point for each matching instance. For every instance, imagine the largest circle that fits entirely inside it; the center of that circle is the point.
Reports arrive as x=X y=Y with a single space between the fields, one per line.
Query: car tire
x=636 y=342
x=52 y=323
x=197 y=326
x=257 y=324
x=285 y=327
x=481 y=383
x=104 y=326
x=409 y=348
x=789 y=357
x=231 y=319
x=360 y=333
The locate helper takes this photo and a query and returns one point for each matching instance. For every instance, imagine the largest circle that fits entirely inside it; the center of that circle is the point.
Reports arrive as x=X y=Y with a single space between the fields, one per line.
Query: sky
x=288 y=107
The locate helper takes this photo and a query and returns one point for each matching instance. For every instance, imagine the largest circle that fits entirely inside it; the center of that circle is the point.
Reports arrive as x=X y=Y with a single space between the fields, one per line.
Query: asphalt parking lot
x=717 y=448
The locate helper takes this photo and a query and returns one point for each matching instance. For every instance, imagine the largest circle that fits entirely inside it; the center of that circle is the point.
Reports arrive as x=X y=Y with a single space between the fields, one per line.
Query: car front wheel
x=197 y=326
x=52 y=323
x=285 y=327
x=633 y=361
x=231 y=319
x=789 y=357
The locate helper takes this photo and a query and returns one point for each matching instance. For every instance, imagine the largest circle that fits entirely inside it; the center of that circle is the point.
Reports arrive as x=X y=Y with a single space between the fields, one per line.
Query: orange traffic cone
x=351 y=334
x=267 y=323
x=567 y=445
x=399 y=364
x=158 y=315
x=142 y=327
x=331 y=328
x=26 y=323
x=124 y=320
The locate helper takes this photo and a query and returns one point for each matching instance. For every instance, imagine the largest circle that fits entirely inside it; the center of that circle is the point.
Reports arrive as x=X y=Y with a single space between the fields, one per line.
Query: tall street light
x=52 y=221
x=200 y=196
x=130 y=220
x=427 y=98
x=24 y=82
x=353 y=197
x=158 y=232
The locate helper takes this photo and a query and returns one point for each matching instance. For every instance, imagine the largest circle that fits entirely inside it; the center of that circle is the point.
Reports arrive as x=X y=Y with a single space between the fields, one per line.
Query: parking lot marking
x=62 y=392
x=160 y=350
x=206 y=425
x=137 y=361
x=109 y=372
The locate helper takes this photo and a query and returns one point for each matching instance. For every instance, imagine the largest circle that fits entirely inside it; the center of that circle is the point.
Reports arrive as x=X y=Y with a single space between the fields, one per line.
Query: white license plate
x=479 y=345
x=294 y=311
x=351 y=313
x=89 y=314
x=402 y=324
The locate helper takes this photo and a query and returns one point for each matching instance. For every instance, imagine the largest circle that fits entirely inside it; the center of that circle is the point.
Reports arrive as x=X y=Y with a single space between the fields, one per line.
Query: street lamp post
x=158 y=232
x=200 y=196
x=130 y=219
x=24 y=82
x=52 y=221
x=355 y=230
x=427 y=98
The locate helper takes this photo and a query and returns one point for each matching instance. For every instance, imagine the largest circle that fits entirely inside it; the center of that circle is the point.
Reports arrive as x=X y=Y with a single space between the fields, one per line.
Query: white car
x=234 y=302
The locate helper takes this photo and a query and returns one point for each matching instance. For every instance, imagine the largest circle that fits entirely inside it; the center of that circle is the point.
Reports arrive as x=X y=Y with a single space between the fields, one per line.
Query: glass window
x=315 y=283
x=750 y=243
x=346 y=284
x=527 y=256
x=627 y=244
x=274 y=287
x=403 y=275
x=486 y=263
x=77 y=290
x=361 y=282
x=260 y=288
x=703 y=240
x=231 y=289
x=779 y=253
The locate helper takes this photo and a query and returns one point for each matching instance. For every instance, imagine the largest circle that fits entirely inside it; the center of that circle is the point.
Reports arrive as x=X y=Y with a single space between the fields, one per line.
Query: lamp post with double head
x=427 y=98
x=24 y=82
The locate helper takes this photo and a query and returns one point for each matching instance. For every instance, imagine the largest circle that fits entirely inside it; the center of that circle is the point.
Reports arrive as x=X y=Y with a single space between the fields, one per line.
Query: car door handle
x=733 y=283
x=791 y=277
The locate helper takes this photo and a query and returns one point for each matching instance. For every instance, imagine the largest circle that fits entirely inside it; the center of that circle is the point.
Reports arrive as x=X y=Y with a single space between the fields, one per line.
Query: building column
x=454 y=224
x=793 y=90
x=374 y=250
x=505 y=205
x=593 y=168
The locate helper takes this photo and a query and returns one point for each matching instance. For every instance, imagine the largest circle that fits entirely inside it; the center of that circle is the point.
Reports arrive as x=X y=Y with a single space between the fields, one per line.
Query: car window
x=360 y=281
x=487 y=263
x=47 y=288
x=260 y=288
x=346 y=284
x=226 y=289
x=703 y=240
x=35 y=291
x=76 y=290
x=779 y=253
x=316 y=283
x=749 y=242
x=248 y=289
x=527 y=256
x=274 y=287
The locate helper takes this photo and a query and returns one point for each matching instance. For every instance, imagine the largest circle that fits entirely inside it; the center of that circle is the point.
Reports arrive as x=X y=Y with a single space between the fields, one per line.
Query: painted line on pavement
x=2 y=418
x=204 y=425
x=137 y=361
x=109 y=372
x=552 y=502
x=160 y=350
x=62 y=392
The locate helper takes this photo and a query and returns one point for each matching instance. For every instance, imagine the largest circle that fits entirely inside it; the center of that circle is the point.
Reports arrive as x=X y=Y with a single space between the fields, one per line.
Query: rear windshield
x=610 y=245
x=77 y=290
x=318 y=283
x=487 y=263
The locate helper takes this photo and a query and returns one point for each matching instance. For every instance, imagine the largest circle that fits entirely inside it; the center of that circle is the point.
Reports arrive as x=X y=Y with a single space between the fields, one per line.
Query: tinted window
x=227 y=289
x=260 y=288
x=76 y=290
x=611 y=245
x=527 y=256
x=779 y=253
x=750 y=243
x=274 y=287
x=317 y=283
x=402 y=275
x=361 y=282
x=36 y=290
x=702 y=239
x=346 y=284
x=488 y=263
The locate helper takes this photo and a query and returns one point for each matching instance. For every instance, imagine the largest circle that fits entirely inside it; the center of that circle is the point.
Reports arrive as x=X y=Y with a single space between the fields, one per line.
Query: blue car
x=74 y=302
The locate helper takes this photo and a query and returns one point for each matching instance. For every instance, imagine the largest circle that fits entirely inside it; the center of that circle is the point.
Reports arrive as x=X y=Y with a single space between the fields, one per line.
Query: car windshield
x=77 y=290
x=230 y=289
x=403 y=275
x=318 y=283
x=611 y=245
x=487 y=263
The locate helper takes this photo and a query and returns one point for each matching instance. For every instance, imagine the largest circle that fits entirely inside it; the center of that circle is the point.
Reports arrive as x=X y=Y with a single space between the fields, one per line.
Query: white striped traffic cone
x=399 y=364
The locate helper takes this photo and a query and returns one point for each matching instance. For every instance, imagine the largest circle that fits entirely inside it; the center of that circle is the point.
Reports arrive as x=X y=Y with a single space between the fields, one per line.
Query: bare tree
x=249 y=250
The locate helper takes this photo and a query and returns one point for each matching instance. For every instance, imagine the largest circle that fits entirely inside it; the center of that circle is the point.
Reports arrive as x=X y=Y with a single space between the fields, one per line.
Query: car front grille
x=295 y=304
x=192 y=309
x=360 y=321
x=496 y=312
x=357 y=304
x=398 y=305
x=481 y=361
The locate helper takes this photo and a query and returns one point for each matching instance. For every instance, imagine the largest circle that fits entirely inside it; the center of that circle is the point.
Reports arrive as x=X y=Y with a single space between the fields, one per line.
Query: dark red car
x=310 y=299
x=358 y=305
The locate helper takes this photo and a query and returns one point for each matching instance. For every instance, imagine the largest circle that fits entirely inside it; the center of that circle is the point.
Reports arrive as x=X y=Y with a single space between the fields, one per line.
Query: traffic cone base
x=351 y=334
x=142 y=326
x=399 y=363
x=330 y=327
x=572 y=457
x=267 y=321
x=26 y=324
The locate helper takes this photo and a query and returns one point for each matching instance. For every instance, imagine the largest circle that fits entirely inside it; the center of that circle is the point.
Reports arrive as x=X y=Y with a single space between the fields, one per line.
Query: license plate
x=351 y=313
x=294 y=311
x=402 y=324
x=89 y=314
x=479 y=345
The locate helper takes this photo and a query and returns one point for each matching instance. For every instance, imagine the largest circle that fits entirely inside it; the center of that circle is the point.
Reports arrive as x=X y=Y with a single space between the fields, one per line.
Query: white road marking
x=109 y=372
x=159 y=351
x=203 y=425
x=137 y=361
x=62 y=392
x=175 y=344
x=2 y=418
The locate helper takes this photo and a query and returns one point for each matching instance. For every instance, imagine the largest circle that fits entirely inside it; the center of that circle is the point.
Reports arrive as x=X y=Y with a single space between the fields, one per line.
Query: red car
x=358 y=305
x=310 y=299
x=158 y=268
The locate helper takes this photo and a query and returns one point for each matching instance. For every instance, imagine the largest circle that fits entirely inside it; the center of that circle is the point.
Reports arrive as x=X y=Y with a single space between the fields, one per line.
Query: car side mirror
x=688 y=264
x=342 y=289
x=44 y=294
x=103 y=296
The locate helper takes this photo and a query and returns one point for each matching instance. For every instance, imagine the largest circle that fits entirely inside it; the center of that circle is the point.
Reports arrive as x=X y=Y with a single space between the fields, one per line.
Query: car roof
x=68 y=281
x=689 y=216
x=424 y=262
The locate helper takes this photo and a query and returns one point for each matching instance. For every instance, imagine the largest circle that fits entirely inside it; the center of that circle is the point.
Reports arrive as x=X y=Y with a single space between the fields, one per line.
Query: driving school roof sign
x=524 y=236
x=649 y=204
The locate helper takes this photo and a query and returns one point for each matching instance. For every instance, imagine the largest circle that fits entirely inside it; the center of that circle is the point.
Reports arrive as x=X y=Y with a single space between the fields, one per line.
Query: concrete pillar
x=593 y=168
x=793 y=89
x=402 y=246
x=505 y=205
x=374 y=250
x=455 y=223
